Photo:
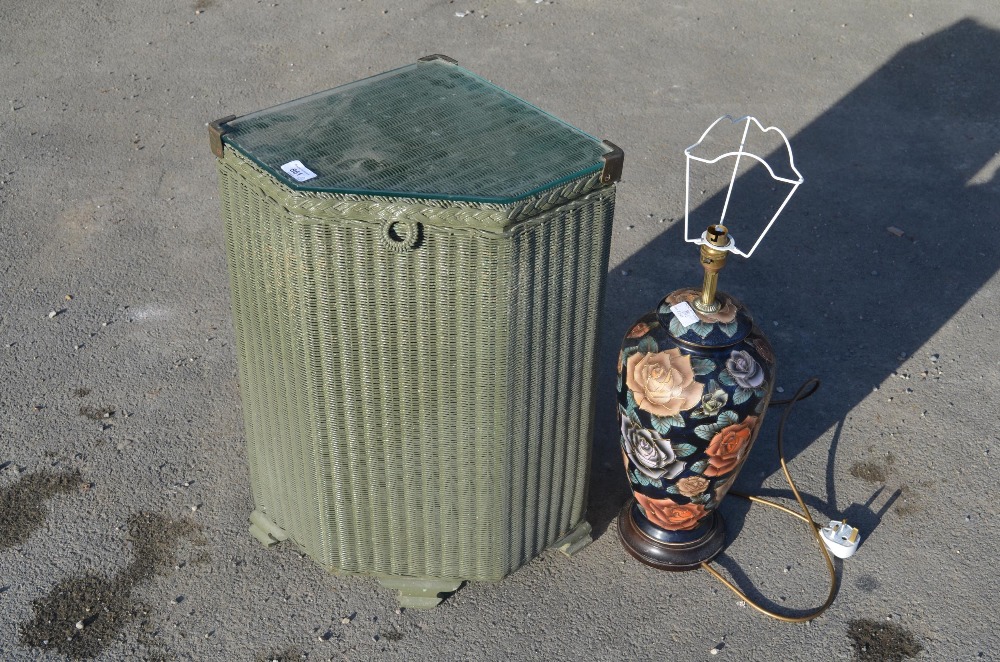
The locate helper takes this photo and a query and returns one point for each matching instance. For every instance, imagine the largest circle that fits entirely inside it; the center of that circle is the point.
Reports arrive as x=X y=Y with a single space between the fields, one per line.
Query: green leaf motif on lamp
x=630 y=408
x=702 y=366
x=647 y=345
x=708 y=431
x=633 y=415
x=663 y=424
x=684 y=450
x=676 y=328
x=744 y=394
x=741 y=395
x=701 y=328
x=638 y=477
x=727 y=418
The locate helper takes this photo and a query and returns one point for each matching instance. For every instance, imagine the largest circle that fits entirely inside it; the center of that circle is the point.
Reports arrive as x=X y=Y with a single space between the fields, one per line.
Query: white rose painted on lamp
x=650 y=452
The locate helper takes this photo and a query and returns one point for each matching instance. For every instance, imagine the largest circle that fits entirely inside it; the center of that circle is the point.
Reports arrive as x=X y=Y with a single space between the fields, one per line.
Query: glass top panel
x=427 y=130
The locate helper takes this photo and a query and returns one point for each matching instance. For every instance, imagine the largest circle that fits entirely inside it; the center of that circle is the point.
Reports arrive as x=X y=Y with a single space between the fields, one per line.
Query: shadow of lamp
x=695 y=377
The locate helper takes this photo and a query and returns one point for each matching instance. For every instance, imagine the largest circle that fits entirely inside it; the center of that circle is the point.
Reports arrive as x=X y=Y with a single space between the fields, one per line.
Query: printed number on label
x=298 y=172
x=685 y=313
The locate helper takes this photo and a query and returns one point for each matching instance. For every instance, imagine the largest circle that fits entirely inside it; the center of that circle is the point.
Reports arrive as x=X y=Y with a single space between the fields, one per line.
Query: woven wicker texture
x=424 y=410
x=428 y=130
x=325 y=207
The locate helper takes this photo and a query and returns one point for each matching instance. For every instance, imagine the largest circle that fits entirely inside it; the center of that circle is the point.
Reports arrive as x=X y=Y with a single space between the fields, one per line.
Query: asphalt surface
x=123 y=476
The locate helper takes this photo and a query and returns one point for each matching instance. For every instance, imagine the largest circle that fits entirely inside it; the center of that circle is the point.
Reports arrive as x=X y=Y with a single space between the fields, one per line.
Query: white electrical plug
x=841 y=539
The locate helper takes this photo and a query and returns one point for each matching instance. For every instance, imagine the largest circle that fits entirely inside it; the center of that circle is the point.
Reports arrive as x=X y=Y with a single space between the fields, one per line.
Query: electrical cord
x=807 y=389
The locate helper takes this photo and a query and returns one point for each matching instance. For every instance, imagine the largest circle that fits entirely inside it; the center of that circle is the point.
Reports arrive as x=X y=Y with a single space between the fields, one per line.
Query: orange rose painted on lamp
x=728 y=447
x=669 y=515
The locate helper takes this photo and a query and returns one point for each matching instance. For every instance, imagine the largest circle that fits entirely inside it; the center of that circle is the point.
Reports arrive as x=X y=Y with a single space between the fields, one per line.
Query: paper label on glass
x=298 y=172
x=685 y=313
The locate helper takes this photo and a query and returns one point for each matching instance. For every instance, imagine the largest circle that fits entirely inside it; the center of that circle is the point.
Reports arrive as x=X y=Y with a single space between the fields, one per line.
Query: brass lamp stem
x=712 y=260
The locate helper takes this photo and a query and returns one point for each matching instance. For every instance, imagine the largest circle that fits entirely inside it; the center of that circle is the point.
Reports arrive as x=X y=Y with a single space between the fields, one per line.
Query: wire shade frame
x=737 y=155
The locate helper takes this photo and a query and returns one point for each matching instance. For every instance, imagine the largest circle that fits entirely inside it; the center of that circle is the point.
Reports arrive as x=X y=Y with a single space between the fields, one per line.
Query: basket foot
x=575 y=540
x=415 y=593
x=263 y=529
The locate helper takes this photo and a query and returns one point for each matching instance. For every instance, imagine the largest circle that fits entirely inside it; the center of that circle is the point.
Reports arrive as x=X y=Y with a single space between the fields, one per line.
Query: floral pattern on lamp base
x=691 y=400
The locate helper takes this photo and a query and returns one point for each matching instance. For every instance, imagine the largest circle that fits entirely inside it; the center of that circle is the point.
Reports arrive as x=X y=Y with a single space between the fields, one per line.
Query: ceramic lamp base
x=670 y=550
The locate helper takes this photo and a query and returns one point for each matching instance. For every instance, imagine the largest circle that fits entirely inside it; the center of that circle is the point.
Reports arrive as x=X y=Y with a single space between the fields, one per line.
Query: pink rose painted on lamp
x=724 y=315
x=663 y=382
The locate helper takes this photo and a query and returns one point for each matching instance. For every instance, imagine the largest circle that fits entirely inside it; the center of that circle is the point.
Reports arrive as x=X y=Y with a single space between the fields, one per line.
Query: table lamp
x=695 y=377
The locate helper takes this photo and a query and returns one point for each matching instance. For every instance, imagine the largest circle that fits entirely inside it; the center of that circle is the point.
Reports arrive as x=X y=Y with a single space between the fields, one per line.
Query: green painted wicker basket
x=417 y=263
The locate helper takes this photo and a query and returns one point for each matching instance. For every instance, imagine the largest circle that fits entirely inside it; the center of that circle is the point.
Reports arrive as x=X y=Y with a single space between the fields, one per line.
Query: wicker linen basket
x=417 y=263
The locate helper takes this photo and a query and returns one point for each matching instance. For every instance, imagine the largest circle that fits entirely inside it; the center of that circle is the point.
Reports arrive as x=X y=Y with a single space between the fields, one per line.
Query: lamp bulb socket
x=717 y=235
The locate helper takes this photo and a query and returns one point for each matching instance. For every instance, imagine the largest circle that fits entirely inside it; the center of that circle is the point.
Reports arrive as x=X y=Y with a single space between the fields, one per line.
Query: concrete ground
x=122 y=467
